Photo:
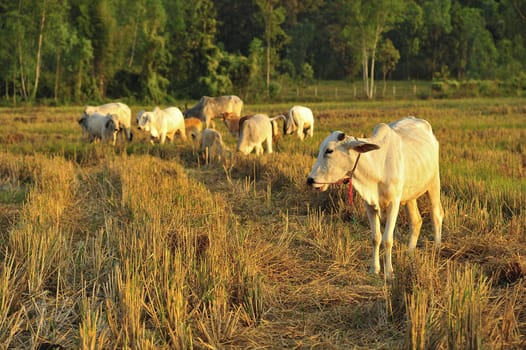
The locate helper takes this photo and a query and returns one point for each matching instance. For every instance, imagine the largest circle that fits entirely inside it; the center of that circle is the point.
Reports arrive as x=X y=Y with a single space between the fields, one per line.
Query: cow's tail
x=294 y=118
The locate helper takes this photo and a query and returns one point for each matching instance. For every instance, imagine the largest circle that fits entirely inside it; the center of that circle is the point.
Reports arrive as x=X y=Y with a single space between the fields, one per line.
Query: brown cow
x=193 y=127
x=233 y=122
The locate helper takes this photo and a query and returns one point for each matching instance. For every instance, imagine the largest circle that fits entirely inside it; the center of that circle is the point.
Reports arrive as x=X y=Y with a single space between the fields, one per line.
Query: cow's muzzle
x=316 y=185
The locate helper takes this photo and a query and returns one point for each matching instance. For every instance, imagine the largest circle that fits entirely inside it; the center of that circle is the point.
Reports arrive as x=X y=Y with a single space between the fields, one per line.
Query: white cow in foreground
x=162 y=123
x=118 y=109
x=100 y=126
x=398 y=164
x=254 y=132
x=300 y=121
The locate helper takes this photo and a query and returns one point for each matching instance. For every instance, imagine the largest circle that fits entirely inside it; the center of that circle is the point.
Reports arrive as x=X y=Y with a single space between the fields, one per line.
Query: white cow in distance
x=211 y=145
x=162 y=123
x=100 y=126
x=118 y=109
x=299 y=120
x=210 y=107
x=398 y=164
x=255 y=132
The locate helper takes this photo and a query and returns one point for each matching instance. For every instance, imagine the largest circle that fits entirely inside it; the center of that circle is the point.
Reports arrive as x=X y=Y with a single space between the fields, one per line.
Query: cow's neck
x=365 y=174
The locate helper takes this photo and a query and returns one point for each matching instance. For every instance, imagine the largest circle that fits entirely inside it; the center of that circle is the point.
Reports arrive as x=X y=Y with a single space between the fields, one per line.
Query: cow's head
x=139 y=116
x=83 y=122
x=275 y=125
x=112 y=127
x=143 y=120
x=336 y=159
x=113 y=123
x=227 y=116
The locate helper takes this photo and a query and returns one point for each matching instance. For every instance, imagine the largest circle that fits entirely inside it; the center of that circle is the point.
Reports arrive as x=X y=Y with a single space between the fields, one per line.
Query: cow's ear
x=341 y=136
x=361 y=146
x=366 y=147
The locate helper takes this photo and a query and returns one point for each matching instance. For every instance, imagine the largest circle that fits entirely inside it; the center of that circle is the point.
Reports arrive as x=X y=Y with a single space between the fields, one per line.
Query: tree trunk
x=78 y=82
x=385 y=81
x=371 y=85
x=57 y=76
x=39 y=51
x=268 y=67
x=365 y=68
x=268 y=24
x=134 y=42
x=23 y=91
x=14 y=89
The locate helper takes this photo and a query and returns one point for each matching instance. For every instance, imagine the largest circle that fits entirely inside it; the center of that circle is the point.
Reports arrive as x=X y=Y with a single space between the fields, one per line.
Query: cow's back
x=301 y=113
x=253 y=132
x=255 y=128
x=172 y=118
x=412 y=153
x=221 y=104
x=121 y=110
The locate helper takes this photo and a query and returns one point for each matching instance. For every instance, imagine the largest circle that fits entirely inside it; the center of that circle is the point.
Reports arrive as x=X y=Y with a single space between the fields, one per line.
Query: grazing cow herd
x=254 y=132
x=395 y=166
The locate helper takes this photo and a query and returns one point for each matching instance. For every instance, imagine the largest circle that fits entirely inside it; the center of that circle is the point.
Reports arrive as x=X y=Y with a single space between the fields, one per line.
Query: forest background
x=157 y=51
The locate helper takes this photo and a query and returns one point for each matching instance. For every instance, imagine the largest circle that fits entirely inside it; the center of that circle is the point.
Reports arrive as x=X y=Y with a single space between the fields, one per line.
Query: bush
x=274 y=89
x=489 y=88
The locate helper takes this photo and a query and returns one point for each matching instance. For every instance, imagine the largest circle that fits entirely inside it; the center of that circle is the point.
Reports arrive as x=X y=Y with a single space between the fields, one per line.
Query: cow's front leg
x=163 y=138
x=391 y=215
x=376 y=236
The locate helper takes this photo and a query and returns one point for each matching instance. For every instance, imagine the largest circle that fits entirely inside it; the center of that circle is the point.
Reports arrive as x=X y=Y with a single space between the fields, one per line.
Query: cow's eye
x=329 y=151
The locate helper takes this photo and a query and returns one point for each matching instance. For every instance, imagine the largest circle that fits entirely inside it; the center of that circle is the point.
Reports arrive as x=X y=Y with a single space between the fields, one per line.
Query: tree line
x=70 y=51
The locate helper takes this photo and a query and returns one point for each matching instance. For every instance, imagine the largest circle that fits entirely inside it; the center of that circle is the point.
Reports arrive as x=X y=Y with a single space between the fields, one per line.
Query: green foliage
x=74 y=51
x=156 y=56
x=451 y=88
x=214 y=82
x=256 y=81
x=388 y=56
x=302 y=42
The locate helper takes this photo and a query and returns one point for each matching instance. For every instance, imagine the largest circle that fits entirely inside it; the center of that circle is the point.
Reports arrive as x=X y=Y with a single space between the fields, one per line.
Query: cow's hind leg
x=268 y=143
x=376 y=237
x=387 y=239
x=437 y=213
x=415 y=221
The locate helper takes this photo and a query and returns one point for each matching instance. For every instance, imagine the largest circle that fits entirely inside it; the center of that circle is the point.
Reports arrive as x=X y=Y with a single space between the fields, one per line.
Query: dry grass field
x=147 y=247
